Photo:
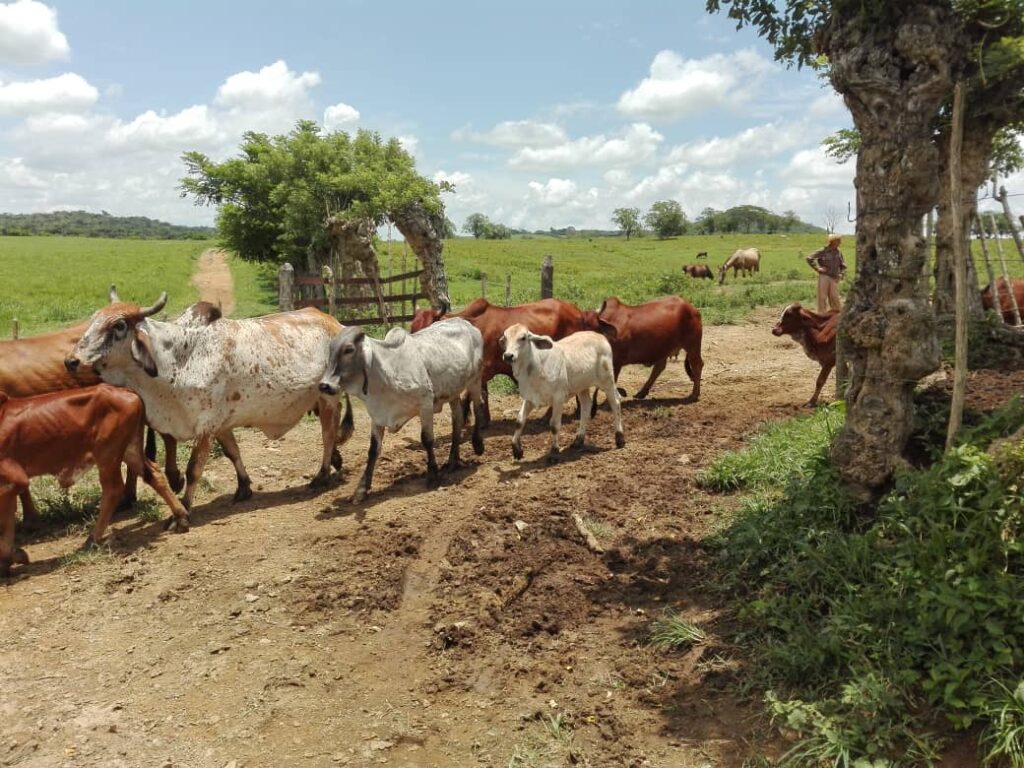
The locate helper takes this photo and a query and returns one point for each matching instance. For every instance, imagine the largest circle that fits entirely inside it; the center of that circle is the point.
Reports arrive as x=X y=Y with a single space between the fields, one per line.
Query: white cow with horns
x=199 y=383
x=409 y=375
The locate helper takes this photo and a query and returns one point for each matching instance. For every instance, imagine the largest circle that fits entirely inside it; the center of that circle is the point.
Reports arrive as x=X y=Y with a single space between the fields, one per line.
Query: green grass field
x=588 y=270
x=52 y=282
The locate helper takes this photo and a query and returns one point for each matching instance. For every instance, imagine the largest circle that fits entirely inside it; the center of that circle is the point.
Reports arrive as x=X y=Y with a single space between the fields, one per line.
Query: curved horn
x=114 y=298
x=445 y=307
x=149 y=311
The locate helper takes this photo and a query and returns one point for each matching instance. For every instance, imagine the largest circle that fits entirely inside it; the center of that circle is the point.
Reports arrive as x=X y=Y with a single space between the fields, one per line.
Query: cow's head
x=118 y=335
x=519 y=341
x=790 y=322
x=592 y=321
x=346 y=364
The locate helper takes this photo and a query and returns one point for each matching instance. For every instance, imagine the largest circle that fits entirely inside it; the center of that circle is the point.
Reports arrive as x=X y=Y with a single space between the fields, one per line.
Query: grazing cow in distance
x=1005 y=307
x=702 y=254
x=747 y=260
x=63 y=434
x=407 y=376
x=549 y=317
x=698 y=271
x=200 y=383
x=549 y=372
x=649 y=334
x=816 y=333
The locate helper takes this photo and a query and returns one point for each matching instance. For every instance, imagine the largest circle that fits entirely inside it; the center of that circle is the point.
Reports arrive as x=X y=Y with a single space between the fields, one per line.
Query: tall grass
x=52 y=282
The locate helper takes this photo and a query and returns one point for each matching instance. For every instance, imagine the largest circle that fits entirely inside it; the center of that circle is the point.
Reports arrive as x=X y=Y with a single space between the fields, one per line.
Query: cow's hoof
x=517 y=453
x=90 y=544
x=336 y=459
x=433 y=480
x=177 y=524
x=319 y=480
x=360 y=494
x=811 y=404
x=478 y=443
x=641 y=395
x=126 y=504
x=577 y=444
x=553 y=456
x=453 y=466
x=176 y=481
x=243 y=492
x=620 y=440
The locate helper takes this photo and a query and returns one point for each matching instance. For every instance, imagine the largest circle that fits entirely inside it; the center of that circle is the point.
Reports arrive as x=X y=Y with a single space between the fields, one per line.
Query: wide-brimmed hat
x=834 y=239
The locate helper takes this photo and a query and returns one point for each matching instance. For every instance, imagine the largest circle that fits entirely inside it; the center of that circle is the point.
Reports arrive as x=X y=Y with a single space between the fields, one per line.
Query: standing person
x=829 y=264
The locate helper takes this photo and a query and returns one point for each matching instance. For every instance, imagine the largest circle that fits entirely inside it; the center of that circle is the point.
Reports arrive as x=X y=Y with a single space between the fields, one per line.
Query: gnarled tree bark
x=422 y=230
x=354 y=256
x=894 y=77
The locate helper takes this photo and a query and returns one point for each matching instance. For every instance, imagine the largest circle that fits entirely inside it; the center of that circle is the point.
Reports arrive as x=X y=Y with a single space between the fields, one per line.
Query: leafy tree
x=666 y=219
x=498 y=232
x=627 y=220
x=450 y=229
x=477 y=225
x=707 y=221
x=895 y=64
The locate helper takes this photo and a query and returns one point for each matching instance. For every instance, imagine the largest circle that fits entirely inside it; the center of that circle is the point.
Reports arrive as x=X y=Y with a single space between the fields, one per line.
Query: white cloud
x=514 y=134
x=65 y=93
x=678 y=86
x=270 y=88
x=340 y=117
x=828 y=106
x=190 y=126
x=29 y=34
x=813 y=169
x=15 y=174
x=753 y=144
x=637 y=145
x=410 y=143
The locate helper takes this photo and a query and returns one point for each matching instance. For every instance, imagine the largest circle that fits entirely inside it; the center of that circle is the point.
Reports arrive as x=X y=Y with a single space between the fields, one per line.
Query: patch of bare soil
x=213 y=280
x=467 y=626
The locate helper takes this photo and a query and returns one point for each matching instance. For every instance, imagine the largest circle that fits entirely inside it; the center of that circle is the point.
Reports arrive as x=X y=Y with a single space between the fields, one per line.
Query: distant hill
x=85 y=224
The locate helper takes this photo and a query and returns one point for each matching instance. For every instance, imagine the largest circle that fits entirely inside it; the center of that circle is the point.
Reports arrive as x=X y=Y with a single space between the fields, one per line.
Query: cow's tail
x=150 y=443
x=347 y=425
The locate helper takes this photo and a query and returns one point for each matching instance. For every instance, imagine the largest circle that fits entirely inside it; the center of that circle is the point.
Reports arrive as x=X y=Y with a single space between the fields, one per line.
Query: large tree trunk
x=353 y=254
x=977 y=149
x=422 y=230
x=893 y=76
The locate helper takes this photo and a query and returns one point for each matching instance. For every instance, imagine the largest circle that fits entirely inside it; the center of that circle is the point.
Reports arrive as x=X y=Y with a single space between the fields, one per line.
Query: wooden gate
x=387 y=308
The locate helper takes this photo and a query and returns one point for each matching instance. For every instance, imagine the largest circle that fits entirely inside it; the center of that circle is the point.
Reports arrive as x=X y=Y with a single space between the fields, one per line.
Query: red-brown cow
x=648 y=334
x=548 y=317
x=65 y=433
x=698 y=271
x=816 y=333
x=1005 y=307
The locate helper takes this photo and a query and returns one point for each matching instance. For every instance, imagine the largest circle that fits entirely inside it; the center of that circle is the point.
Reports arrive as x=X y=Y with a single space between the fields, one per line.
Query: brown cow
x=65 y=433
x=35 y=366
x=548 y=317
x=816 y=333
x=1005 y=307
x=648 y=334
x=699 y=271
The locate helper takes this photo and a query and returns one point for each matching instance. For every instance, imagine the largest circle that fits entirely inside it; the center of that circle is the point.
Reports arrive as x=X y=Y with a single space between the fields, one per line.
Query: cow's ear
x=358 y=338
x=502 y=344
x=142 y=352
x=541 y=342
x=607 y=330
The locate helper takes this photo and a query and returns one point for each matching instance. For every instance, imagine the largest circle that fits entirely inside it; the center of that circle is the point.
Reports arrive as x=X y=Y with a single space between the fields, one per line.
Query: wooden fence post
x=14 y=329
x=508 y=289
x=330 y=288
x=1009 y=221
x=1006 y=273
x=988 y=259
x=956 y=407
x=286 y=287
x=547 y=278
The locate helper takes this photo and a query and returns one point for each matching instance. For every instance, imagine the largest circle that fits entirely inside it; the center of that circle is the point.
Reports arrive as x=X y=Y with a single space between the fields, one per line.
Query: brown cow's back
x=35 y=365
x=1005 y=308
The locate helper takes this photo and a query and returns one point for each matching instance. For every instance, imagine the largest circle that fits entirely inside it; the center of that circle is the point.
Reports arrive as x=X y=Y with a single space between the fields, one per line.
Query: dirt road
x=214 y=281
x=467 y=626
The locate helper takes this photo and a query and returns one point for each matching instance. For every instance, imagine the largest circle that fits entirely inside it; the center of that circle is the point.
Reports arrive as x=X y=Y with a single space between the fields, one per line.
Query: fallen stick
x=592 y=543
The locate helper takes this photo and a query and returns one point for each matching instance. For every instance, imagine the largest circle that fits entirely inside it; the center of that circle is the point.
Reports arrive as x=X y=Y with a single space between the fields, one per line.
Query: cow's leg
x=822 y=378
x=345 y=429
x=656 y=370
x=8 y=553
x=194 y=470
x=485 y=402
x=150 y=473
x=556 y=426
x=227 y=441
x=330 y=417
x=613 y=400
x=622 y=392
x=453 y=454
x=694 y=365
x=427 y=440
x=376 y=441
x=581 y=430
x=517 y=438
x=111 y=488
x=475 y=393
x=171 y=471
x=29 y=513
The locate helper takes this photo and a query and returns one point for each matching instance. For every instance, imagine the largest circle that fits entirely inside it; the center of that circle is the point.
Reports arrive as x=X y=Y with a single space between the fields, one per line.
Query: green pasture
x=589 y=269
x=51 y=282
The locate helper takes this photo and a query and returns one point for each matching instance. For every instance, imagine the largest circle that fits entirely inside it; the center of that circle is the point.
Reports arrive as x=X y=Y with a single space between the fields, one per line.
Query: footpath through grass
x=52 y=282
x=875 y=633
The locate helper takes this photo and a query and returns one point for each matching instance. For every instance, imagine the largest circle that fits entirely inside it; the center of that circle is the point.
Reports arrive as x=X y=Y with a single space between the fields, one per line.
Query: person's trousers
x=828 y=294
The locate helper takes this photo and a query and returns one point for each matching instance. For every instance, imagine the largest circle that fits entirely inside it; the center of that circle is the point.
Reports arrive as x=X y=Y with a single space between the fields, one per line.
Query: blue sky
x=542 y=114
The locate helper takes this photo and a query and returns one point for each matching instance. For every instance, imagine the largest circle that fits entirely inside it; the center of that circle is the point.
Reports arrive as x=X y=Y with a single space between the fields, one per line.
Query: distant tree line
x=666 y=218
x=479 y=226
x=85 y=224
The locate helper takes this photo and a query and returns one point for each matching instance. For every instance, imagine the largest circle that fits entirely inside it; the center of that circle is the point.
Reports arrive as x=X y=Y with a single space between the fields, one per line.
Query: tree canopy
x=628 y=221
x=666 y=219
x=277 y=196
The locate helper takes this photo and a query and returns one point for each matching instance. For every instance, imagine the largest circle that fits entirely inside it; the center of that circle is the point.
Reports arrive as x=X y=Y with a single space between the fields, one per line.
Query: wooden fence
x=326 y=292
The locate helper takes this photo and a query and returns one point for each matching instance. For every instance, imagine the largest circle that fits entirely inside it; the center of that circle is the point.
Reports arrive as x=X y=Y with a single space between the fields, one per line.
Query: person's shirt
x=830 y=259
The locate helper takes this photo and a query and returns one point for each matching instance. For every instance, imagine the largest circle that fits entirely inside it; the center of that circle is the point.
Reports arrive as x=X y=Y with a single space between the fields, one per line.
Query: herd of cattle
x=745 y=260
x=81 y=397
